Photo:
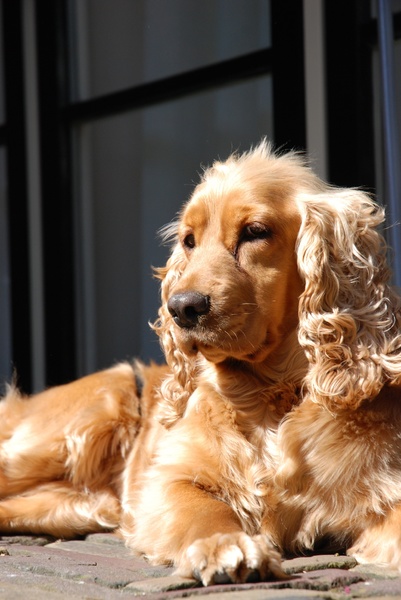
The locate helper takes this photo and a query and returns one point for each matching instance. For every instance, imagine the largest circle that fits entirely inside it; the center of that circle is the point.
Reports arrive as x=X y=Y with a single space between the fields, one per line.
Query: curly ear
x=177 y=387
x=349 y=316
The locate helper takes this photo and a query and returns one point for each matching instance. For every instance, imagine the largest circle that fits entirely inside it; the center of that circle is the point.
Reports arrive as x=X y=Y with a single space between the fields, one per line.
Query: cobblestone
x=100 y=567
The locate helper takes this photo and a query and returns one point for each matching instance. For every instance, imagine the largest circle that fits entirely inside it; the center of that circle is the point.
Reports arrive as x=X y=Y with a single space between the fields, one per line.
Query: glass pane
x=5 y=284
x=136 y=171
x=122 y=43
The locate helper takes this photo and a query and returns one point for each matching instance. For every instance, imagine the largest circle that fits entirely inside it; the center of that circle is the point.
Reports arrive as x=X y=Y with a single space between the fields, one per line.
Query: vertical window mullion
x=17 y=192
x=34 y=196
x=349 y=93
x=288 y=74
x=57 y=204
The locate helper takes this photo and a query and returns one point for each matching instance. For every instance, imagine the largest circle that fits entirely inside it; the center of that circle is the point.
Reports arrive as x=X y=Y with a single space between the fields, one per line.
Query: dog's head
x=232 y=284
x=264 y=247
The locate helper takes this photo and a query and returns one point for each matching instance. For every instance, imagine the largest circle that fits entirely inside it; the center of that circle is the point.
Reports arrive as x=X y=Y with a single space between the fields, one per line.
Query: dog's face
x=237 y=295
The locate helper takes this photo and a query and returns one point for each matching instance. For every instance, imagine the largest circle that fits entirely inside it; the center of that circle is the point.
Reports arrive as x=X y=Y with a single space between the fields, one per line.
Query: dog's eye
x=189 y=240
x=255 y=231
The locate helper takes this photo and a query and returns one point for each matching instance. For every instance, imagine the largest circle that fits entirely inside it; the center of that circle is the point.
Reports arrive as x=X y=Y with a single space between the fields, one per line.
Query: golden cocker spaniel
x=277 y=422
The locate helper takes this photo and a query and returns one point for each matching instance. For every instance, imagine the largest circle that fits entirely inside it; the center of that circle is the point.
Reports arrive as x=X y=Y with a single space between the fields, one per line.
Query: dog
x=276 y=423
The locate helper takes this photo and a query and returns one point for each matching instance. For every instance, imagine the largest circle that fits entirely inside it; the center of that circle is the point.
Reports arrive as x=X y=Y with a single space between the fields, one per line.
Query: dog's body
x=278 y=419
x=63 y=453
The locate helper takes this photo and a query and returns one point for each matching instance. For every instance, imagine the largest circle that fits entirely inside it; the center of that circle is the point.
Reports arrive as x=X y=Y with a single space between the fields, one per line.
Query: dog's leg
x=181 y=524
x=58 y=509
x=177 y=515
x=381 y=542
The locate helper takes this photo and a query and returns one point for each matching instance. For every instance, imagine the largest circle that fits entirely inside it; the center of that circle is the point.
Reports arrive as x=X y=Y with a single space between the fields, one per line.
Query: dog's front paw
x=232 y=557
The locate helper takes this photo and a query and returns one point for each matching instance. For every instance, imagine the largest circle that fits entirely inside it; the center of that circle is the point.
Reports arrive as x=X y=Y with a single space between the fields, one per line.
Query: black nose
x=186 y=308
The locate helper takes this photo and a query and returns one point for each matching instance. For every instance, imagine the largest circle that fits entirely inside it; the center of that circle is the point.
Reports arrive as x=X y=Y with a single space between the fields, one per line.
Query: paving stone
x=326 y=579
x=54 y=561
x=101 y=567
x=112 y=546
x=376 y=571
x=162 y=584
x=27 y=540
x=39 y=587
x=271 y=595
x=377 y=589
x=323 y=561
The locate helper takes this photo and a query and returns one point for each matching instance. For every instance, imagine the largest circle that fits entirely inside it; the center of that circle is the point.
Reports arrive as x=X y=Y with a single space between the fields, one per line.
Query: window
x=152 y=94
x=110 y=110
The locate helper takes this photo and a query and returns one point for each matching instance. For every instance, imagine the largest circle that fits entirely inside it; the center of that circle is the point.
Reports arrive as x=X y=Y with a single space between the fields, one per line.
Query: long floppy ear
x=179 y=385
x=349 y=316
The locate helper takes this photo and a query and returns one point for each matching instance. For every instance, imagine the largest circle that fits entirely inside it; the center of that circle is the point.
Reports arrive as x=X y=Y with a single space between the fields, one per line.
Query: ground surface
x=100 y=567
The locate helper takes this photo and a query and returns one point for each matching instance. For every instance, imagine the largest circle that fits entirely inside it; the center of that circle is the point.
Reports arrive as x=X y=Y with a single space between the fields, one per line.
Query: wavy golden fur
x=277 y=423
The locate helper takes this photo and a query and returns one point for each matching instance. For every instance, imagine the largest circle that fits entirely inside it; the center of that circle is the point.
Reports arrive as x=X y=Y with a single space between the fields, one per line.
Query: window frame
x=348 y=163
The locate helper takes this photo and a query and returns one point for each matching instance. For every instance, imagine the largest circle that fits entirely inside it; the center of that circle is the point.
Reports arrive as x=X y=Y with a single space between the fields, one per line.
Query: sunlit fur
x=332 y=466
x=277 y=422
x=63 y=452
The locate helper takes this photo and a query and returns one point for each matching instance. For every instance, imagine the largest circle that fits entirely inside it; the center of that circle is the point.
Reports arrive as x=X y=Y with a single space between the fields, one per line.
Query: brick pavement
x=100 y=567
